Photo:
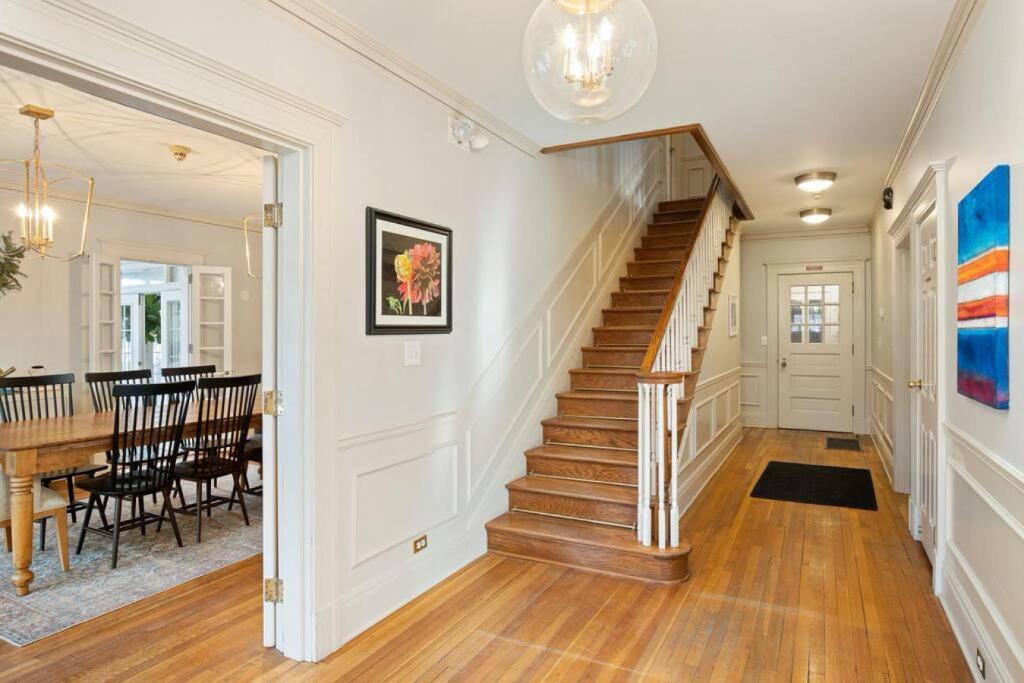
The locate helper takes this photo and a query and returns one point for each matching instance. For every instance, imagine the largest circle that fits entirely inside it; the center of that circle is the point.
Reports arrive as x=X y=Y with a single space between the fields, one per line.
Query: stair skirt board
x=577 y=505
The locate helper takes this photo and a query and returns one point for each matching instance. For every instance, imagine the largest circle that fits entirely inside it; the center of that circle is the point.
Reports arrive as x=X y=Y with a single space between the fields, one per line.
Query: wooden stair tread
x=670 y=261
x=570 y=488
x=651 y=292
x=603 y=370
x=620 y=328
x=584 y=533
x=577 y=453
x=582 y=422
x=597 y=395
x=616 y=347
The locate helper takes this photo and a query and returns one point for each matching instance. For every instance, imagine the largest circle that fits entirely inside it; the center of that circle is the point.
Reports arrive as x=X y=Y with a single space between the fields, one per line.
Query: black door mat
x=839 y=443
x=848 y=487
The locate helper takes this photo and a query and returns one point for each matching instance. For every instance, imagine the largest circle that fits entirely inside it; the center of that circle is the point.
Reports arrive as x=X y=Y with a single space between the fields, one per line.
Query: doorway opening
x=168 y=289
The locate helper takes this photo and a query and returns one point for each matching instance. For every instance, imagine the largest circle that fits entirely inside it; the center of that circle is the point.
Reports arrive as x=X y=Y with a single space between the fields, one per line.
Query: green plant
x=151 y=305
x=11 y=254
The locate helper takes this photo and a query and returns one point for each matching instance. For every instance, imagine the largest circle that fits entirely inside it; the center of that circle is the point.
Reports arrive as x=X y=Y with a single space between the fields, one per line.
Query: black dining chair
x=188 y=372
x=252 y=452
x=41 y=397
x=225 y=407
x=101 y=386
x=149 y=420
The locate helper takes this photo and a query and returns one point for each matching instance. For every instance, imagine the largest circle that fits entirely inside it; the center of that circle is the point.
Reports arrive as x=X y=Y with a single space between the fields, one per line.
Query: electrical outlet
x=979 y=661
x=419 y=544
x=764 y=341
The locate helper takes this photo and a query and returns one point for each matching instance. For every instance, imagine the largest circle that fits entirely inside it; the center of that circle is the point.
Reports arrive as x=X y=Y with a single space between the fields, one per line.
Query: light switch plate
x=764 y=341
x=412 y=353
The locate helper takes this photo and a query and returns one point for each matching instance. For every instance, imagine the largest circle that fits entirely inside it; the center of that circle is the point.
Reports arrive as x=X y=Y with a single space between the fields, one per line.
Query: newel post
x=657 y=456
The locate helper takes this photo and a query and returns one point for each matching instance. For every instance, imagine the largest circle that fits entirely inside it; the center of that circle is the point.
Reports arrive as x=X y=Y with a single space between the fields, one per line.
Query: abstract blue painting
x=983 y=288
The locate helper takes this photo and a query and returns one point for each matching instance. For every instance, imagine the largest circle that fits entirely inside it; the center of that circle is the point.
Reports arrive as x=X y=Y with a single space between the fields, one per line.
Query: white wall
x=758 y=317
x=978 y=122
x=51 y=315
x=428 y=449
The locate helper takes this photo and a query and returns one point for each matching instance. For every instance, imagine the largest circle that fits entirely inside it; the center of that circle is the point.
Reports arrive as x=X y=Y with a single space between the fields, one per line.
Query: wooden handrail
x=670 y=302
x=700 y=136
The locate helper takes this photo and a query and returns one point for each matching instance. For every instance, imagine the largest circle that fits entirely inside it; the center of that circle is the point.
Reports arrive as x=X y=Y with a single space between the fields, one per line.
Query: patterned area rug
x=146 y=565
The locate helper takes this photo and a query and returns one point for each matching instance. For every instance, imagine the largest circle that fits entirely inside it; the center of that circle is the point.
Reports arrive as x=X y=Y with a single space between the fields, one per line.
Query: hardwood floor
x=780 y=591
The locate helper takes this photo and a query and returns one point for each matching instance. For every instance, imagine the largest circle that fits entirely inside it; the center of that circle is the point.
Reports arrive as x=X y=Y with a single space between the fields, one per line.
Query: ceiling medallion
x=36 y=217
x=588 y=61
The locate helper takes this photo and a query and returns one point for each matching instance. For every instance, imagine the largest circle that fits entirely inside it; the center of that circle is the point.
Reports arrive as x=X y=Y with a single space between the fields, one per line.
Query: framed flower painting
x=408 y=275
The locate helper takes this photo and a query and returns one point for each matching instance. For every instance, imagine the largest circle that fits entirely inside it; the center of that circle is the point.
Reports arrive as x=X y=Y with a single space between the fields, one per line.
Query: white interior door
x=211 y=316
x=269 y=373
x=925 y=397
x=105 y=343
x=173 y=329
x=132 y=332
x=816 y=352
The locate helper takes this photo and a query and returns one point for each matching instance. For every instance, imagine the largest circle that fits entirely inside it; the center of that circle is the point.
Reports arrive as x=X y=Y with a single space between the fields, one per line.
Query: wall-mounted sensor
x=887 y=197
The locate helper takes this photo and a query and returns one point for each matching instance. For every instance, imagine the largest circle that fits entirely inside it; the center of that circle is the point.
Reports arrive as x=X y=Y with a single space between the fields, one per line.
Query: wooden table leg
x=21 y=530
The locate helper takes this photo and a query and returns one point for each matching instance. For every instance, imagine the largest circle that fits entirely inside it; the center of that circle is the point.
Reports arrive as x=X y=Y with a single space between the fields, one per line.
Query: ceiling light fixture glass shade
x=819 y=181
x=35 y=216
x=815 y=216
x=588 y=61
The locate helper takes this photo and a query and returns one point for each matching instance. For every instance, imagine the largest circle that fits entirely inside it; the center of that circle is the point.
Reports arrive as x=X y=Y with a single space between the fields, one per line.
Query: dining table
x=32 y=447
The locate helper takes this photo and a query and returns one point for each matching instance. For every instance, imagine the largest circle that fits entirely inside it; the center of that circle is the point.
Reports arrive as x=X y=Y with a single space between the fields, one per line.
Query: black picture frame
x=377 y=320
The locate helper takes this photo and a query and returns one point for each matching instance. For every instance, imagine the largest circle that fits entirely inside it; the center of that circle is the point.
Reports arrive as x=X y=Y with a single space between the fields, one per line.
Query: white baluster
x=673 y=416
x=659 y=435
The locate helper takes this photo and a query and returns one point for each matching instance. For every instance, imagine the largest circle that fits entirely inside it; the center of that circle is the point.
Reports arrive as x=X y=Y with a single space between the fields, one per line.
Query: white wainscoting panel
x=880 y=418
x=753 y=401
x=445 y=476
x=983 y=592
x=716 y=430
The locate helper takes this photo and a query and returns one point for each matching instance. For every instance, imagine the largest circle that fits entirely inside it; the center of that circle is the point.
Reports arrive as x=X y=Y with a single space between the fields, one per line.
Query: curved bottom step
x=586 y=546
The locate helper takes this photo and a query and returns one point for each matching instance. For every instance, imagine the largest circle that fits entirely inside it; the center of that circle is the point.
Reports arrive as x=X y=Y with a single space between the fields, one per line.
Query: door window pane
x=796 y=294
x=831 y=334
x=796 y=334
x=831 y=294
x=832 y=315
x=796 y=315
x=814 y=294
x=814 y=334
x=814 y=314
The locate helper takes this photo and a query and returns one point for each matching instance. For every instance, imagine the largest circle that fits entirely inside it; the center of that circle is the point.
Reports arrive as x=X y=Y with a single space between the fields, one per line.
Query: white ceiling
x=126 y=152
x=781 y=87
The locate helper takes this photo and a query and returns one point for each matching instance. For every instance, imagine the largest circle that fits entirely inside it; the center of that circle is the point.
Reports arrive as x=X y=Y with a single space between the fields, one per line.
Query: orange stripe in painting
x=993 y=306
x=996 y=261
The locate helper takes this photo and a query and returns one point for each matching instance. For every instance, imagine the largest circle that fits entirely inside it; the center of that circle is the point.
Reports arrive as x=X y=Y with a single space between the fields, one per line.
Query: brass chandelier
x=36 y=217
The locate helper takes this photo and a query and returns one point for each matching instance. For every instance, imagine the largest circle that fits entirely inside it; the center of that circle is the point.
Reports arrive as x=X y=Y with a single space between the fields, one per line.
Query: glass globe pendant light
x=588 y=61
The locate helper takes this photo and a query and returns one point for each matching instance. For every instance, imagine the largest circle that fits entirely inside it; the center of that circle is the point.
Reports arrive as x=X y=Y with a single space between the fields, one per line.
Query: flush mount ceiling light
x=588 y=61
x=37 y=219
x=815 y=182
x=815 y=216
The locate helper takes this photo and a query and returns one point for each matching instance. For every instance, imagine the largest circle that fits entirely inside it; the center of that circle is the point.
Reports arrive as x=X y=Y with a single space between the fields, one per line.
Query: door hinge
x=190 y=348
x=853 y=410
x=273 y=590
x=190 y=278
x=273 y=215
x=273 y=403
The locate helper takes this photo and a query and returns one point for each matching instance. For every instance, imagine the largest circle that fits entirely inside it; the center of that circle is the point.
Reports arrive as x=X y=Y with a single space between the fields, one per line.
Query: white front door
x=925 y=398
x=816 y=352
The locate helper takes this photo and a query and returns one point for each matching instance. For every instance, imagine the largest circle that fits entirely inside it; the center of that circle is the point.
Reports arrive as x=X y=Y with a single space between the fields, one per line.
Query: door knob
x=784 y=363
x=915 y=384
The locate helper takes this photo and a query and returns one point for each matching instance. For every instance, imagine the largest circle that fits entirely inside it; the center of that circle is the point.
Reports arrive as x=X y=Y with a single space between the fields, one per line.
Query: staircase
x=578 y=503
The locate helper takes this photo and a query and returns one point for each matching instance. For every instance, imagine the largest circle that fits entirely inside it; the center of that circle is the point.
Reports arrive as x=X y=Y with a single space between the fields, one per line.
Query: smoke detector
x=180 y=152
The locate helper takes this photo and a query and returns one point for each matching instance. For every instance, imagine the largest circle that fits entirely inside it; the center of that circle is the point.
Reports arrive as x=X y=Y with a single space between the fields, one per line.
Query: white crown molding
x=145 y=209
x=172 y=53
x=322 y=20
x=958 y=29
x=759 y=234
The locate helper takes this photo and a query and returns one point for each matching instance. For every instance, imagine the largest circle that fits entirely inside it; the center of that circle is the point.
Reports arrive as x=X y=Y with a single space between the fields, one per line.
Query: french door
x=815 y=362
x=211 y=317
x=924 y=399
